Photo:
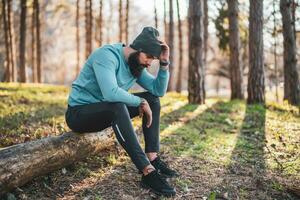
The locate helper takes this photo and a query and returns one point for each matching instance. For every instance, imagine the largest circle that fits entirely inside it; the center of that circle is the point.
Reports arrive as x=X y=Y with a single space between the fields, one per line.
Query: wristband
x=164 y=63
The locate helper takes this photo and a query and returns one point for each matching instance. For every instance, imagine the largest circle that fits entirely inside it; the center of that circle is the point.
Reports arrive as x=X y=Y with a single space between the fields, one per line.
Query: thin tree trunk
x=236 y=79
x=127 y=22
x=12 y=43
x=77 y=39
x=38 y=41
x=101 y=23
x=171 y=45
x=205 y=24
x=291 y=77
x=109 y=23
x=275 y=52
x=165 y=21
x=6 y=38
x=23 y=41
x=196 y=74
x=88 y=27
x=256 y=79
x=155 y=15
x=180 y=63
x=120 y=21
x=33 y=56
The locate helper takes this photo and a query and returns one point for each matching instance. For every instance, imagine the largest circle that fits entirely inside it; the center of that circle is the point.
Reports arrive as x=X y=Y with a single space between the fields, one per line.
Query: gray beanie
x=147 y=42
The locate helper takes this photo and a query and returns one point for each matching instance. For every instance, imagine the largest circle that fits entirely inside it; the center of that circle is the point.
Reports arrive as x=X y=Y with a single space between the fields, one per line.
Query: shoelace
x=160 y=178
x=161 y=163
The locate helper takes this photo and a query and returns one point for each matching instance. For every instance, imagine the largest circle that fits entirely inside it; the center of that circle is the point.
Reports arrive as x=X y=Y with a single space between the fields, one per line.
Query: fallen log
x=22 y=162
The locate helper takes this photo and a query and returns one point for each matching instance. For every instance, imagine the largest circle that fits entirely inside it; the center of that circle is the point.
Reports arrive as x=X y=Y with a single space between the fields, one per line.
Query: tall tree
x=88 y=27
x=23 y=41
x=274 y=34
x=120 y=21
x=155 y=15
x=127 y=22
x=256 y=77
x=205 y=24
x=171 y=44
x=38 y=41
x=196 y=72
x=291 y=77
x=165 y=21
x=180 y=63
x=236 y=79
x=101 y=23
x=6 y=40
x=77 y=39
x=33 y=52
x=12 y=44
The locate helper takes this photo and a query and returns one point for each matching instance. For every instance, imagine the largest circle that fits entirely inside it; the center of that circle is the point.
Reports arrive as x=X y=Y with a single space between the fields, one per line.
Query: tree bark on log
x=21 y=163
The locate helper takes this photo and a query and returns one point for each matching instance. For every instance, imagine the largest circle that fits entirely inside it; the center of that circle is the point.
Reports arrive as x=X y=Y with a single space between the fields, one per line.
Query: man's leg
x=151 y=134
x=98 y=116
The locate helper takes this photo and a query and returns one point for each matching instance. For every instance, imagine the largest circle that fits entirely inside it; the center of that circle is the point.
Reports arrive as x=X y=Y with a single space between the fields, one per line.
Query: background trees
x=55 y=44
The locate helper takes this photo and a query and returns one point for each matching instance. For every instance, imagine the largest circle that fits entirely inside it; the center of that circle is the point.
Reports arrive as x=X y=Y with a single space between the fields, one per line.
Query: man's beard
x=134 y=64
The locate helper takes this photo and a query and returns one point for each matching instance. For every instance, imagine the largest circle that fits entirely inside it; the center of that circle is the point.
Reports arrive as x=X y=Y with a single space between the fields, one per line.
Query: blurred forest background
x=48 y=41
x=230 y=121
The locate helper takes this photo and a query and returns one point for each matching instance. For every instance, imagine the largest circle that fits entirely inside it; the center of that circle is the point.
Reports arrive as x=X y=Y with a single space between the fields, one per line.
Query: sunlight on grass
x=206 y=132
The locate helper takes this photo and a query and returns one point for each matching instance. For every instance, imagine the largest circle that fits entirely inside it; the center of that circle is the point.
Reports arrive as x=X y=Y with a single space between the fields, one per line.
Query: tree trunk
x=101 y=23
x=12 y=44
x=196 y=72
x=77 y=40
x=23 y=41
x=38 y=41
x=6 y=39
x=21 y=163
x=127 y=22
x=109 y=22
x=171 y=45
x=120 y=21
x=33 y=56
x=236 y=79
x=291 y=77
x=155 y=15
x=256 y=78
x=180 y=63
x=205 y=24
x=275 y=51
x=165 y=21
x=88 y=27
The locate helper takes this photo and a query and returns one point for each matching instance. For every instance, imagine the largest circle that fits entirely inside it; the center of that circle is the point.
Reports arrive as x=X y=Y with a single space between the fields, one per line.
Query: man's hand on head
x=165 y=52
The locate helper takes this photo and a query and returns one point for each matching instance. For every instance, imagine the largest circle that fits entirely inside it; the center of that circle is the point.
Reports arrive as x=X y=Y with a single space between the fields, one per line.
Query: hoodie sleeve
x=104 y=67
x=155 y=85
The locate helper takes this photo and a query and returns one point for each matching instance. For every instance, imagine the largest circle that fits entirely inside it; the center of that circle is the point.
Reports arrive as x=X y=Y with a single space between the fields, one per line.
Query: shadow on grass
x=248 y=152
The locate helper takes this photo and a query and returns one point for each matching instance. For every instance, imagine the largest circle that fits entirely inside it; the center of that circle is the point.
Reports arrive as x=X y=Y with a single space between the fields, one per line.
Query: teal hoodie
x=106 y=77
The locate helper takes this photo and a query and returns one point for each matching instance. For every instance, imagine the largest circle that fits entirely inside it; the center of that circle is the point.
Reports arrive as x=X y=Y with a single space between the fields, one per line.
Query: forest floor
x=222 y=150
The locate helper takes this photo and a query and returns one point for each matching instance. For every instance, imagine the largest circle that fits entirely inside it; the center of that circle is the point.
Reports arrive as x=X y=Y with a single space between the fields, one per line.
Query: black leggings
x=98 y=116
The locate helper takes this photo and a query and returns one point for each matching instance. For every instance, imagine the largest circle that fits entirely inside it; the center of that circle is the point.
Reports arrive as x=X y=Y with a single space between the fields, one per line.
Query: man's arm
x=156 y=86
x=104 y=69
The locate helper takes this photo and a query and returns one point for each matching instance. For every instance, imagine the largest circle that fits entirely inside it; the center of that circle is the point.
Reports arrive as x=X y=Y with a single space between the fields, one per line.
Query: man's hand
x=165 y=52
x=144 y=108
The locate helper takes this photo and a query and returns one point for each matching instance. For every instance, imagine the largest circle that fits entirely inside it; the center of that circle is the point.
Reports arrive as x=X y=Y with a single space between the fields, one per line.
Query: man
x=99 y=98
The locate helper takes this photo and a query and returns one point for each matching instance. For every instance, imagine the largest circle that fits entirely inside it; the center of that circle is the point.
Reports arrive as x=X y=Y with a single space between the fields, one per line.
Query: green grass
x=30 y=111
x=225 y=132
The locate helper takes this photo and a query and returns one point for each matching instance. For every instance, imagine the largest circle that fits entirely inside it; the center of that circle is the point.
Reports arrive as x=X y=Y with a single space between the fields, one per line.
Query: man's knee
x=119 y=108
x=152 y=99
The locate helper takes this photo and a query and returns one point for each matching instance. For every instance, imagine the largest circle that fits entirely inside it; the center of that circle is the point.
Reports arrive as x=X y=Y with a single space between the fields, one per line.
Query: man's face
x=138 y=61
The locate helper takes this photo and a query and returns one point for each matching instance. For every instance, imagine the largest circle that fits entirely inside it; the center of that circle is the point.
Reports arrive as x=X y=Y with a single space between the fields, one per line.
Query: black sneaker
x=157 y=184
x=163 y=168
